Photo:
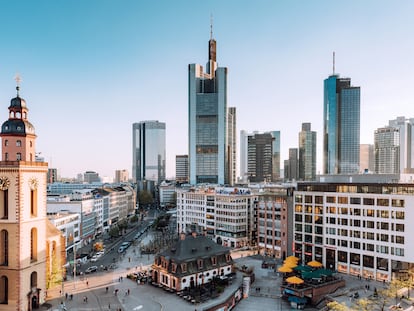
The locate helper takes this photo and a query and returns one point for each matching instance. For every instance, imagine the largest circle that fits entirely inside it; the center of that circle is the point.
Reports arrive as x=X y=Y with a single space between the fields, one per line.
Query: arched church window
x=4 y=248
x=33 y=244
x=4 y=290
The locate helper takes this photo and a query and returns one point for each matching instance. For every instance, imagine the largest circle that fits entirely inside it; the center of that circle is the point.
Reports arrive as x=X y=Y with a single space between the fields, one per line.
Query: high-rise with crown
x=23 y=223
x=212 y=156
x=341 y=128
x=148 y=151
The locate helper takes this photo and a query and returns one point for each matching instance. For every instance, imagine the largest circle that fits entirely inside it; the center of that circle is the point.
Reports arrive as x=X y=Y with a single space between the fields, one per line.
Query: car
x=121 y=249
x=94 y=258
x=91 y=269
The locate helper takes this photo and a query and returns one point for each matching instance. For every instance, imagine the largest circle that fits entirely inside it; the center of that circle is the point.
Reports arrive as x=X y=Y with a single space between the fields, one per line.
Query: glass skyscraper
x=341 y=126
x=211 y=154
x=148 y=155
x=307 y=153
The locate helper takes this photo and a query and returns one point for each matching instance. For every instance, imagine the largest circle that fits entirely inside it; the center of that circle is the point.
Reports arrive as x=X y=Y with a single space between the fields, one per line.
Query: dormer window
x=214 y=260
x=24 y=115
x=18 y=115
x=200 y=263
x=228 y=258
x=183 y=267
x=11 y=114
x=174 y=268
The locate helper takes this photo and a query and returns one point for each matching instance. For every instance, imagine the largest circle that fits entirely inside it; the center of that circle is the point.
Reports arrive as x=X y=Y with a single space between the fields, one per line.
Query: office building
x=52 y=175
x=121 y=176
x=387 y=150
x=225 y=214
x=259 y=156
x=91 y=177
x=307 y=153
x=148 y=155
x=210 y=123
x=274 y=214
x=292 y=165
x=366 y=158
x=181 y=169
x=405 y=128
x=341 y=128
x=26 y=236
x=361 y=229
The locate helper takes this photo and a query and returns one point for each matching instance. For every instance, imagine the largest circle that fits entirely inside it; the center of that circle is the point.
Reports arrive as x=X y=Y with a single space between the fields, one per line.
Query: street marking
x=138 y=308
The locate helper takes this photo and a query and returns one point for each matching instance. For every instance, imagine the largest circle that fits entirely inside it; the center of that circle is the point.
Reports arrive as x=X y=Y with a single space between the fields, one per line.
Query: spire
x=333 y=63
x=18 y=79
x=211 y=27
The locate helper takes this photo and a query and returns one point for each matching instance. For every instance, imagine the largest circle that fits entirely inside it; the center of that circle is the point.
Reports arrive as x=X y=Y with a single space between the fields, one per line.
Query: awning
x=297 y=299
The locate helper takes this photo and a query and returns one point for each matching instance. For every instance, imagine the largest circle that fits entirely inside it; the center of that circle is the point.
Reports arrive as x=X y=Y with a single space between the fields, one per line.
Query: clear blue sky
x=92 y=68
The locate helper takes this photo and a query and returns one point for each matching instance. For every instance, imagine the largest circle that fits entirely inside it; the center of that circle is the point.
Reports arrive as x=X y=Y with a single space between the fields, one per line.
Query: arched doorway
x=35 y=303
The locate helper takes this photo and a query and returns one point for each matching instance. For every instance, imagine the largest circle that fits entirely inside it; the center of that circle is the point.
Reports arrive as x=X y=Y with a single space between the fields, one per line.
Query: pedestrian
x=60 y=292
x=128 y=291
x=66 y=296
x=106 y=289
x=71 y=296
x=87 y=283
x=109 y=306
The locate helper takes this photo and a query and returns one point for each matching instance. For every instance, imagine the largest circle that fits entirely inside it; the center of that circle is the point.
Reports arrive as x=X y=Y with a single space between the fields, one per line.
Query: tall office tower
x=23 y=221
x=276 y=156
x=210 y=148
x=248 y=162
x=292 y=165
x=121 y=176
x=259 y=157
x=405 y=127
x=232 y=137
x=387 y=150
x=181 y=168
x=148 y=154
x=366 y=158
x=307 y=153
x=341 y=126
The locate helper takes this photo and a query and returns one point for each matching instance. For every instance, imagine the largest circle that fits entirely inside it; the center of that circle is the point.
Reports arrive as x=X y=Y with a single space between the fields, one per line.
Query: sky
x=91 y=68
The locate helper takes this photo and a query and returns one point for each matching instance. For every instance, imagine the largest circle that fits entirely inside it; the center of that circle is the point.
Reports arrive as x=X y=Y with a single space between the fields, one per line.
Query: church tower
x=23 y=221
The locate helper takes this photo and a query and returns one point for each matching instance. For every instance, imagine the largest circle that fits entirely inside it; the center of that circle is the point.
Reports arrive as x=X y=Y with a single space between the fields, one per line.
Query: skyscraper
x=211 y=154
x=307 y=153
x=366 y=158
x=405 y=128
x=292 y=165
x=341 y=126
x=259 y=156
x=148 y=154
x=387 y=150
x=181 y=168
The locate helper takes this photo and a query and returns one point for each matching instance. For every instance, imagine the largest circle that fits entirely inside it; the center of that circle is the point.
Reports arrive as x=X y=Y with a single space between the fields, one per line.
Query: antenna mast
x=333 y=63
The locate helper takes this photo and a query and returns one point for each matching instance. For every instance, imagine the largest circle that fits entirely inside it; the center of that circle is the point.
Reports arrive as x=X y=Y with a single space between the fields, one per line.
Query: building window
x=18 y=156
x=214 y=260
x=33 y=244
x=4 y=248
x=6 y=156
x=33 y=202
x=200 y=263
x=183 y=268
x=33 y=280
x=4 y=290
x=18 y=143
x=4 y=204
x=6 y=142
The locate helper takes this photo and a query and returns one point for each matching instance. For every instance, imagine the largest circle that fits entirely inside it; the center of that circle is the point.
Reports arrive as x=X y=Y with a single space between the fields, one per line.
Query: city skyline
x=91 y=70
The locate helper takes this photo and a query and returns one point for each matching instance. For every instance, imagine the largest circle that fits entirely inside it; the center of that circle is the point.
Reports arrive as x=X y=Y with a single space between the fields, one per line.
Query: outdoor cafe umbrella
x=285 y=269
x=290 y=264
x=314 y=264
x=294 y=280
x=292 y=258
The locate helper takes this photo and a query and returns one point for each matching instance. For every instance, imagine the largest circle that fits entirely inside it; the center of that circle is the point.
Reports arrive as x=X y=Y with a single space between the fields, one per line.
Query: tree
x=145 y=197
x=114 y=232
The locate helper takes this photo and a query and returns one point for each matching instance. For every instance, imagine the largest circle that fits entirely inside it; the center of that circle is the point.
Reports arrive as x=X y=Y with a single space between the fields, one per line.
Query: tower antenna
x=18 y=79
x=333 y=63
x=211 y=26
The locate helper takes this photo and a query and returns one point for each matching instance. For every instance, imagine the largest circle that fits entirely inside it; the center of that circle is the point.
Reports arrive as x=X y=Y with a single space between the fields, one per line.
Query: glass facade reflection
x=148 y=151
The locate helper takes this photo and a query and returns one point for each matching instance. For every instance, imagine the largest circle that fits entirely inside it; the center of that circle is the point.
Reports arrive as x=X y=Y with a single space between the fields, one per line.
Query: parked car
x=121 y=249
x=91 y=269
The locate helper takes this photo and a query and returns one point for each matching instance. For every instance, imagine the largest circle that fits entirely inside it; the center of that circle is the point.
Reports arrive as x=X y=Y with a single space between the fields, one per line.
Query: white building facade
x=226 y=214
x=356 y=228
